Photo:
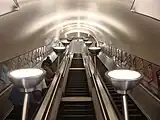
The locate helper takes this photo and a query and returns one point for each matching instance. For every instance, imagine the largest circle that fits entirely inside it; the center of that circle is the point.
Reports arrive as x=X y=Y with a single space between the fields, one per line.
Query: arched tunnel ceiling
x=108 y=20
x=82 y=28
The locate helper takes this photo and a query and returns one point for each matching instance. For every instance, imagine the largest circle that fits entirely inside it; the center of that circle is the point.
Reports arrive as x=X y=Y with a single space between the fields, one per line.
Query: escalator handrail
x=88 y=70
x=8 y=87
x=61 y=71
x=46 y=100
x=107 y=91
x=51 y=93
x=100 y=90
x=99 y=99
x=52 y=98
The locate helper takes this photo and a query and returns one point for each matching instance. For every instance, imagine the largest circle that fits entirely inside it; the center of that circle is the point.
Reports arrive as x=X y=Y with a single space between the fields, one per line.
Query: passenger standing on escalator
x=47 y=61
x=49 y=72
x=158 y=78
x=150 y=74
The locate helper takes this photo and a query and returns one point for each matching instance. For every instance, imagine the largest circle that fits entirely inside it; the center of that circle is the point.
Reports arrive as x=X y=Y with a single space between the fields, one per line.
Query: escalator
x=76 y=102
x=134 y=112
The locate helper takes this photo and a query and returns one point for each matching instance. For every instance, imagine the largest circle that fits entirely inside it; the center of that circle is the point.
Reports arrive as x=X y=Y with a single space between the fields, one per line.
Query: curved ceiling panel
x=110 y=21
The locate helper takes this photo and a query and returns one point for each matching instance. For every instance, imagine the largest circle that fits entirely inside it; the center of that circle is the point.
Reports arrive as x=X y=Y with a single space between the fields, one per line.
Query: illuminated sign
x=149 y=8
x=7 y=6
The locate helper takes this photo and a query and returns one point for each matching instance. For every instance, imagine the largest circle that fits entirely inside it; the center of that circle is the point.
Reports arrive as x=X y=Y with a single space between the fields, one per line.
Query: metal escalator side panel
x=106 y=106
x=46 y=105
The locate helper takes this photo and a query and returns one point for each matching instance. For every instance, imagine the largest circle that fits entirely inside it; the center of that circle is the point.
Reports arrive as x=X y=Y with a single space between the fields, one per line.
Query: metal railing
x=27 y=59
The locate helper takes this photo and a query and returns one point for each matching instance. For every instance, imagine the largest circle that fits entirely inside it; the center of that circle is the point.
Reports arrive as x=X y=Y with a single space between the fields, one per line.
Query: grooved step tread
x=77 y=116
x=77 y=68
x=78 y=99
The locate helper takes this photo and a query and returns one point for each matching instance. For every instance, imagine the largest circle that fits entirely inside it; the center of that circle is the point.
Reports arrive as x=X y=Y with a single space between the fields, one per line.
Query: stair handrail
x=45 y=107
x=102 y=95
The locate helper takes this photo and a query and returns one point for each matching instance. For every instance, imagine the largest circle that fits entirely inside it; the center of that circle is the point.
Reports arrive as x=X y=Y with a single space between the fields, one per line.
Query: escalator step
x=72 y=94
x=77 y=116
x=78 y=88
x=76 y=110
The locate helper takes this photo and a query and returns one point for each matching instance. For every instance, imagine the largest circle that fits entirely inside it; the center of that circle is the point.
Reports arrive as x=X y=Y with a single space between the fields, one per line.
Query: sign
x=7 y=6
x=149 y=8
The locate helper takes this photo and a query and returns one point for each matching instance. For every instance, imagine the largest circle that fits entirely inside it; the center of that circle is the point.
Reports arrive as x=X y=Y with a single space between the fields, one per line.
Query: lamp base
x=26 y=90
x=121 y=92
x=25 y=107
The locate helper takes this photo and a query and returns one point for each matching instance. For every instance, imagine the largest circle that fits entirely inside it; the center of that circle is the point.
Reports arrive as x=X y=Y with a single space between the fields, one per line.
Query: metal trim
x=100 y=89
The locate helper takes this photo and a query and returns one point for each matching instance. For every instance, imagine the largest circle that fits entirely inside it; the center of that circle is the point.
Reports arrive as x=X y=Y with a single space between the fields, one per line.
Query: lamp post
x=59 y=50
x=94 y=51
x=88 y=44
x=85 y=39
x=66 y=44
x=69 y=39
x=124 y=80
x=26 y=80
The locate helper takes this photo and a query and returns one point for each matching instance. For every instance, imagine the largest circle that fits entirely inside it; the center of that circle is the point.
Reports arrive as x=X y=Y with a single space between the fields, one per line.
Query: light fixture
x=124 y=80
x=59 y=50
x=69 y=39
x=88 y=43
x=65 y=43
x=94 y=51
x=85 y=38
x=26 y=80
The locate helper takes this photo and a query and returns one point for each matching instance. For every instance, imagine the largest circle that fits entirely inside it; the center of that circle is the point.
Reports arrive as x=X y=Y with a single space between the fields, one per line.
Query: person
x=150 y=74
x=47 y=62
x=158 y=78
x=49 y=73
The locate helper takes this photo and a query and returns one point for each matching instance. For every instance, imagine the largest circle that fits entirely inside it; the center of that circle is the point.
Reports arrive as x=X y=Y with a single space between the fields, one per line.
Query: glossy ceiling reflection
x=110 y=21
